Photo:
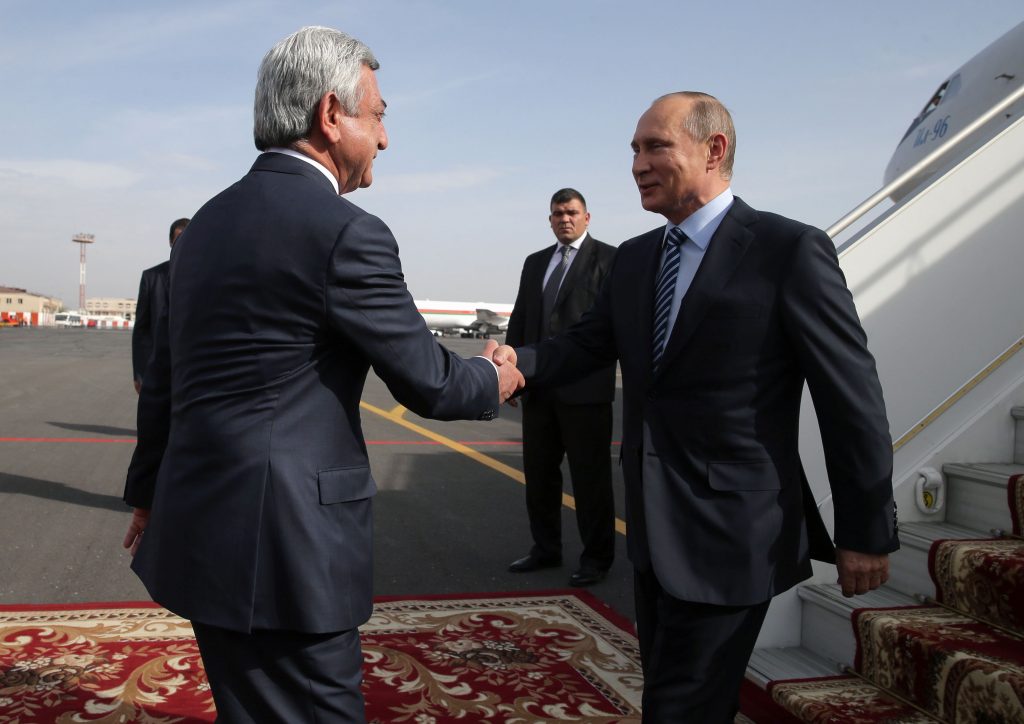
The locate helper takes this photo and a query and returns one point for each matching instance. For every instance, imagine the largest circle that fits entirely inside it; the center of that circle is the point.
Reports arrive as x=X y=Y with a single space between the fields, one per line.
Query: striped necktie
x=664 y=290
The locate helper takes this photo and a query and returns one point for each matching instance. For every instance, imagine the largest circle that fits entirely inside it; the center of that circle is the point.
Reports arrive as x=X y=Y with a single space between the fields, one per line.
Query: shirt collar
x=702 y=224
x=574 y=244
x=314 y=163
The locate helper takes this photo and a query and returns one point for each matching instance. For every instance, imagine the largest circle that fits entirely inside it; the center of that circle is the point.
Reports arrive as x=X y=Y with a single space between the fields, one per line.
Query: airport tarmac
x=450 y=511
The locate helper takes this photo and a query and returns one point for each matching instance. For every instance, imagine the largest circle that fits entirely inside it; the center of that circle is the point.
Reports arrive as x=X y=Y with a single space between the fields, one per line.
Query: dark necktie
x=551 y=290
x=664 y=290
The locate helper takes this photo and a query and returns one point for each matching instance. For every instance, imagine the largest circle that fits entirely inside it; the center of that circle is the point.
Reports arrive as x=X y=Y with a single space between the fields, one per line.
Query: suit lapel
x=724 y=254
x=535 y=295
x=644 y=272
x=576 y=270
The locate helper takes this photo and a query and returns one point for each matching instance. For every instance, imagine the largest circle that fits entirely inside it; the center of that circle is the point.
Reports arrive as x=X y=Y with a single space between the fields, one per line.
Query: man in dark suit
x=151 y=304
x=717 y=321
x=574 y=420
x=250 y=481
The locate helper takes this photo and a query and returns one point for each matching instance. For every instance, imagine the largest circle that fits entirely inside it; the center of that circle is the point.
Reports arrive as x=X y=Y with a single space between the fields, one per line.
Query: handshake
x=510 y=379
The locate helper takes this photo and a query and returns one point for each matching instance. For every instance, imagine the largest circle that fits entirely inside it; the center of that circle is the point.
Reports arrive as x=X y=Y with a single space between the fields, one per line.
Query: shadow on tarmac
x=98 y=429
x=50 y=490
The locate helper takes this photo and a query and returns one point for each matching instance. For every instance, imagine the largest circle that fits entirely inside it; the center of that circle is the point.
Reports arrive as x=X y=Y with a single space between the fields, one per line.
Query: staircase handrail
x=883 y=193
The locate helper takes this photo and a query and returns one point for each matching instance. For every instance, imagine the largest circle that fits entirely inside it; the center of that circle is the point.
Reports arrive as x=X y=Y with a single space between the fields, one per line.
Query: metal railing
x=940 y=152
x=884 y=193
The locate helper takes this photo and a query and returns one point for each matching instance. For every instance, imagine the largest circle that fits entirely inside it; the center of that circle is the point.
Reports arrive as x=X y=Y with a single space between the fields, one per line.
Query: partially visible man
x=151 y=304
x=250 y=482
x=717 y=320
x=557 y=286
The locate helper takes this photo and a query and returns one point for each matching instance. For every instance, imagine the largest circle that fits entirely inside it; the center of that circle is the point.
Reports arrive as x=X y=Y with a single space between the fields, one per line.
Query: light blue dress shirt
x=699 y=227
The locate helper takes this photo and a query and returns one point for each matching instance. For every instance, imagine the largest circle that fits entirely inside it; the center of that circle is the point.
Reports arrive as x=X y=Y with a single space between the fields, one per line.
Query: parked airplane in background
x=972 y=89
x=468 y=318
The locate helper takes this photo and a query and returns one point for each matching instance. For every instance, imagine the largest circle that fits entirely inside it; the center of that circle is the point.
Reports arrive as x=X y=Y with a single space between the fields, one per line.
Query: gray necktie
x=551 y=290
x=664 y=290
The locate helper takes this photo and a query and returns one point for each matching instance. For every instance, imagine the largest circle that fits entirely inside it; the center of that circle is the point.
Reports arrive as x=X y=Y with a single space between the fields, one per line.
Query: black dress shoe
x=587 y=576
x=533 y=563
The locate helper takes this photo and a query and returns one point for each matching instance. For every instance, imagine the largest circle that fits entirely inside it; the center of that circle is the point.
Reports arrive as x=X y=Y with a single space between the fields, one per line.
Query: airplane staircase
x=936 y=281
x=943 y=641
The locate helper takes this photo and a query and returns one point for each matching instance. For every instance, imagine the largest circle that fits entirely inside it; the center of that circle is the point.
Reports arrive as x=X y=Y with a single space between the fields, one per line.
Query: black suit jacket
x=576 y=295
x=152 y=302
x=250 y=453
x=717 y=502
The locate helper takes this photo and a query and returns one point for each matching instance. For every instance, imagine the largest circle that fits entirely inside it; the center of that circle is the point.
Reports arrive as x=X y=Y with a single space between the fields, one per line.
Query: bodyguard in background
x=574 y=420
x=250 y=482
x=151 y=304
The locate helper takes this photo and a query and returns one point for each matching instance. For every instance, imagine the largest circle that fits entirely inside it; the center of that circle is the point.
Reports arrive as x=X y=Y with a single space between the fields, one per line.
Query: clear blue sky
x=119 y=117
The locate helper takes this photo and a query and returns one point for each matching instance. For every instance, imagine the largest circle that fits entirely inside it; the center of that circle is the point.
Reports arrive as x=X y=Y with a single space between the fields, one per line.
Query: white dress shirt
x=303 y=157
x=556 y=259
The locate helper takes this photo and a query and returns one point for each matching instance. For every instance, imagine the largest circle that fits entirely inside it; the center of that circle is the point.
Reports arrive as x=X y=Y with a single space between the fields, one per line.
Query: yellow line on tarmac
x=398 y=411
x=395 y=415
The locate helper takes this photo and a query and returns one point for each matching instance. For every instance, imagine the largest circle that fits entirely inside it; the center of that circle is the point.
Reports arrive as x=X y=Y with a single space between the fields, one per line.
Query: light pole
x=82 y=240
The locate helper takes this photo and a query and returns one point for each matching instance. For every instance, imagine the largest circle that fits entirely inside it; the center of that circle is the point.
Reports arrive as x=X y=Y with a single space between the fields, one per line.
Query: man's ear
x=718 y=144
x=329 y=116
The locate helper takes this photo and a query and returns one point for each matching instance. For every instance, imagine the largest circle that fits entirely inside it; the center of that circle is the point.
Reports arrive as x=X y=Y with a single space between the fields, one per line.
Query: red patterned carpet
x=984 y=578
x=838 y=699
x=951 y=665
x=961 y=661
x=547 y=657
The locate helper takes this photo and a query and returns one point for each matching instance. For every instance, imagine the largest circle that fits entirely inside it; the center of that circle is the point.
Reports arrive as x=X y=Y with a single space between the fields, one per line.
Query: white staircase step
x=1018 y=435
x=976 y=502
x=908 y=567
x=976 y=494
x=795 y=662
x=826 y=628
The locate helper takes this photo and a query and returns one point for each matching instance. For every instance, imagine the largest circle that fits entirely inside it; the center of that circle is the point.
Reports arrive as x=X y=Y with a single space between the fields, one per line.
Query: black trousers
x=694 y=655
x=583 y=433
x=283 y=676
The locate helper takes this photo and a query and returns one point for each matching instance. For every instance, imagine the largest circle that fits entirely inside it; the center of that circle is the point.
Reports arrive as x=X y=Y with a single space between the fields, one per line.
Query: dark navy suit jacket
x=151 y=304
x=250 y=451
x=576 y=295
x=716 y=499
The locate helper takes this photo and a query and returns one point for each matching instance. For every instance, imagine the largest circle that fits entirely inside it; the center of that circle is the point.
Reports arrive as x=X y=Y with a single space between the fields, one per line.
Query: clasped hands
x=510 y=379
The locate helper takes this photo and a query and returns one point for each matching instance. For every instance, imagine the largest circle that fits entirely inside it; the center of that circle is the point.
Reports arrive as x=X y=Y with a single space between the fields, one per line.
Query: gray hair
x=707 y=117
x=296 y=73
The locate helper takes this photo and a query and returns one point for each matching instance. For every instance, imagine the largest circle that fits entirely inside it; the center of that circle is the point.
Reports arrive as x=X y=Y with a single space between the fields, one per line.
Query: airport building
x=24 y=307
x=110 y=307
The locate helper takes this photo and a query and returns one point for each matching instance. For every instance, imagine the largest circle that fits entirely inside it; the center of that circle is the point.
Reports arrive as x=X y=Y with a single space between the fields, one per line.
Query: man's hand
x=140 y=517
x=861 y=572
x=138 y=386
x=500 y=355
x=510 y=379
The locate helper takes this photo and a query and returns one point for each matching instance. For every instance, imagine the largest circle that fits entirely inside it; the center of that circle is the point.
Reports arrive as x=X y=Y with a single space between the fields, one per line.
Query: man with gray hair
x=717 y=319
x=250 y=482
